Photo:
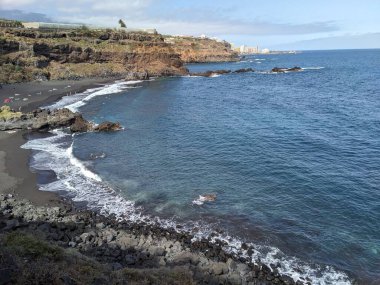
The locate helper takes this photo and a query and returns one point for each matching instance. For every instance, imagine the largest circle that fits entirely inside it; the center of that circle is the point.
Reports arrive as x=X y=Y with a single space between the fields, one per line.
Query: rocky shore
x=84 y=247
x=45 y=120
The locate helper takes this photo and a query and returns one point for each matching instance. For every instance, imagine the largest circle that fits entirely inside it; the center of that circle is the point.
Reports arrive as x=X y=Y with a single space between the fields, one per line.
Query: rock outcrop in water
x=243 y=70
x=44 y=120
x=284 y=69
x=108 y=127
x=211 y=73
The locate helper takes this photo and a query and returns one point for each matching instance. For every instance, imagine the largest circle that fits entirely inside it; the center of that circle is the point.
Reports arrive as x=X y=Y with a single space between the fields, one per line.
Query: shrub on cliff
x=6 y=113
x=28 y=246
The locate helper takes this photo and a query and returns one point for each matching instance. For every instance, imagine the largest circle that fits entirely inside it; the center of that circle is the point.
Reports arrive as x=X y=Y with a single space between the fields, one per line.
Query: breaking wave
x=74 y=102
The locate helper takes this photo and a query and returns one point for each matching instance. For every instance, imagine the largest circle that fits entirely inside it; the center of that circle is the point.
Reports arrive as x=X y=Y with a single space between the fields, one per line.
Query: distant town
x=244 y=50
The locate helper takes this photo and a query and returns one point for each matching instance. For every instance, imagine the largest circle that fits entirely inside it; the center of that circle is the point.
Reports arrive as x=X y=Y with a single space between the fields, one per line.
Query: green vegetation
x=29 y=259
x=163 y=276
x=28 y=246
x=7 y=114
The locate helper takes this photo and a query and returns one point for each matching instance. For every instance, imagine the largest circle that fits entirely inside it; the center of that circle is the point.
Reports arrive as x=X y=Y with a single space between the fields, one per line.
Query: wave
x=313 y=68
x=74 y=102
x=81 y=184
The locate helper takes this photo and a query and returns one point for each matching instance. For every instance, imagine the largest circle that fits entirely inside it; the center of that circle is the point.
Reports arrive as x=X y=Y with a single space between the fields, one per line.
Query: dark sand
x=15 y=176
x=28 y=96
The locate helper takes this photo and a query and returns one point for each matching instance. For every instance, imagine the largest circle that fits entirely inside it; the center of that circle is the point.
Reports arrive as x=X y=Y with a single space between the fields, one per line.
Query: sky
x=276 y=24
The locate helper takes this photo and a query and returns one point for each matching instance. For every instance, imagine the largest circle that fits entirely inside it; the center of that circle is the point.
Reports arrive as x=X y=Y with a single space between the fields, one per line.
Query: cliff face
x=29 y=55
x=196 y=50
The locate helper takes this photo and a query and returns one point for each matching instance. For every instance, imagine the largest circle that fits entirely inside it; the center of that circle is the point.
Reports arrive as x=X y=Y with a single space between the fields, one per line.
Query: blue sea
x=293 y=159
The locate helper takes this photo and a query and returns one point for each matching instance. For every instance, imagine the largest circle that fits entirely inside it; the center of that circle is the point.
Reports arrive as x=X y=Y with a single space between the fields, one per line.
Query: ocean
x=293 y=159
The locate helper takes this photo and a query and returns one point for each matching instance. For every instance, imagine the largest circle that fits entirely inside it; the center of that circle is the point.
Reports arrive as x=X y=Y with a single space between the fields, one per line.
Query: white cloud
x=12 y=4
x=157 y=14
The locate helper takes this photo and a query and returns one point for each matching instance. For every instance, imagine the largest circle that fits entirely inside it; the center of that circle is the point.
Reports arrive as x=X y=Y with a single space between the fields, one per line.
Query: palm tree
x=122 y=24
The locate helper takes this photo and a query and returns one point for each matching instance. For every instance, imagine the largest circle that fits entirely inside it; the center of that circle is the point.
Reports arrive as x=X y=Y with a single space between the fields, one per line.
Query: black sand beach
x=26 y=97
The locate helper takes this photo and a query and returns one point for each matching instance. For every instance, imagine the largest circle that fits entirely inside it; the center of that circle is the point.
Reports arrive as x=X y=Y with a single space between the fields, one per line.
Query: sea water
x=293 y=158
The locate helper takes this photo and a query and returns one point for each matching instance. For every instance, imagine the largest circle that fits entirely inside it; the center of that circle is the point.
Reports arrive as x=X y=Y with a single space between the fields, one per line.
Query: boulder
x=80 y=125
x=133 y=75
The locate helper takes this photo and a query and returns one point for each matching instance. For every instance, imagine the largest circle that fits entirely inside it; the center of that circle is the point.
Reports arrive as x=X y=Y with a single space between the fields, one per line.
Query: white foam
x=74 y=102
x=198 y=201
x=313 y=68
x=55 y=153
x=75 y=162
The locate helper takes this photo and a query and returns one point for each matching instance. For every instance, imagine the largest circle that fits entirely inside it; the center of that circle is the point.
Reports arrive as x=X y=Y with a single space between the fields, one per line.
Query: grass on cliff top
x=7 y=114
x=163 y=276
x=27 y=245
x=32 y=260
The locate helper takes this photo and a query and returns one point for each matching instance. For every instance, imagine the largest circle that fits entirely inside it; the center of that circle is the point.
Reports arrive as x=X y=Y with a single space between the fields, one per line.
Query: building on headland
x=51 y=26
x=132 y=30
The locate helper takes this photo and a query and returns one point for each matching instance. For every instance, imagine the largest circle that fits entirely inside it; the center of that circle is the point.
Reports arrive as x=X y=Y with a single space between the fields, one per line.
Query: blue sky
x=276 y=24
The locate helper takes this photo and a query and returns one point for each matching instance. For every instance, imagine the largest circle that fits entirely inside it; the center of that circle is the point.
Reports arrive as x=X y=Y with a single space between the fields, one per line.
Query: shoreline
x=214 y=251
x=15 y=174
x=28 y=96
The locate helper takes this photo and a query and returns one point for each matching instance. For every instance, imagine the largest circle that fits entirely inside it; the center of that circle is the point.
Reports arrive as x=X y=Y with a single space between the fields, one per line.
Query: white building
x=51 y=26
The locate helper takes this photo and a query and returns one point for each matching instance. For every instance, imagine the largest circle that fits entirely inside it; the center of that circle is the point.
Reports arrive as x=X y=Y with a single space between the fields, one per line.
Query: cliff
x=27 y=55
x=196 y=50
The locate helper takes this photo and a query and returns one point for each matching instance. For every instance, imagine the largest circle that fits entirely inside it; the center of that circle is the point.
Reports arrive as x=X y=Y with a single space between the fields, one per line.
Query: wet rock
x=80 y=125
x=243 y=70
x=211 y=73
x=284 y=69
